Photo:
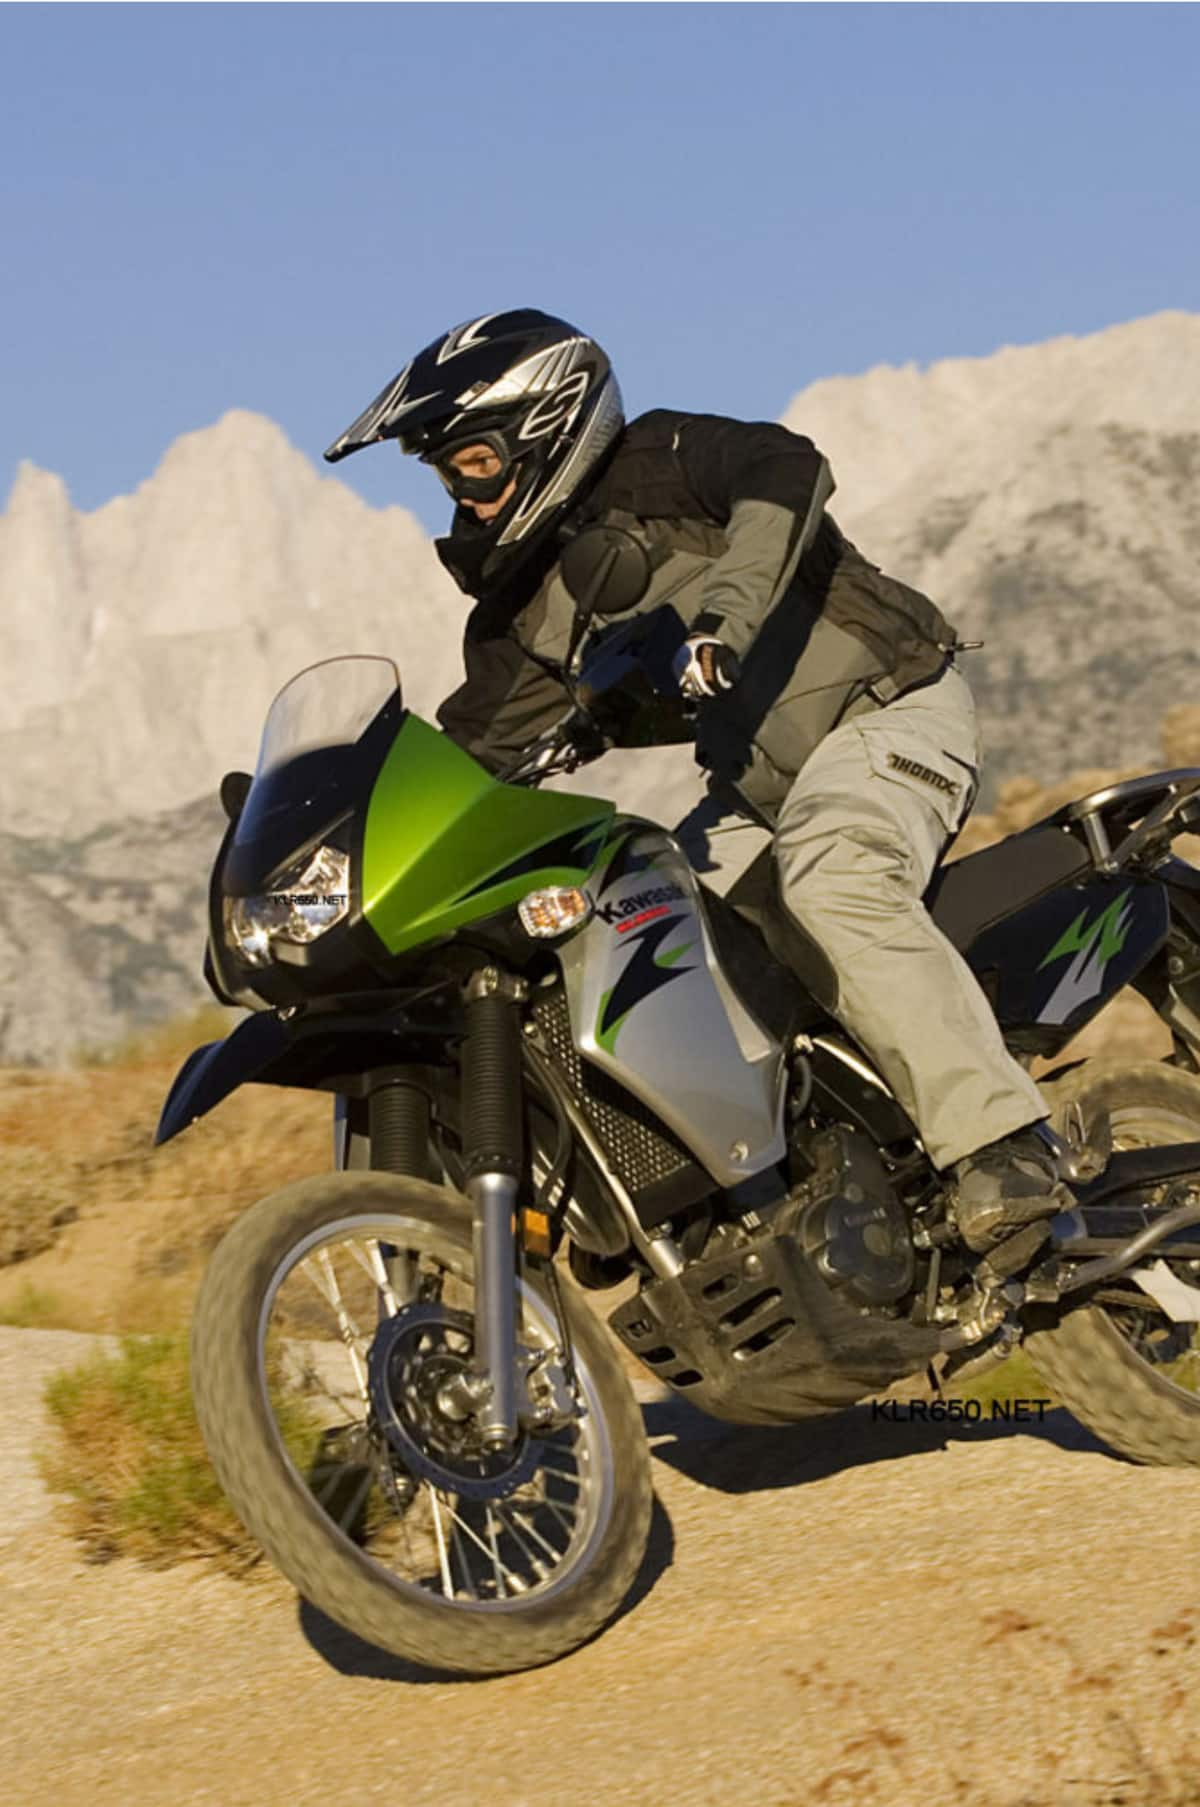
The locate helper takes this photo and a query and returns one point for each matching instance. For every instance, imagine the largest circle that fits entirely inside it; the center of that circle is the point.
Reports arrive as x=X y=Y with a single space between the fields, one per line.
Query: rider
x=829 y=703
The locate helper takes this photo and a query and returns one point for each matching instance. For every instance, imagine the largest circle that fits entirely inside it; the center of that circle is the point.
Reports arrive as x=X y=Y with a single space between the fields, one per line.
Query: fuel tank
x=651 y=1006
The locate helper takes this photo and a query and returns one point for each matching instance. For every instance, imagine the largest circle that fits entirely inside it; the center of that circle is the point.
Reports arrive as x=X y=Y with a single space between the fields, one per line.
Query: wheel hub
x=418 y=1362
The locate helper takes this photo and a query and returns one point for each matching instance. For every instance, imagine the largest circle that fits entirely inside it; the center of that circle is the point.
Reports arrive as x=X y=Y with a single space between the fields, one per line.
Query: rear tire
x=278 y=1508
x=1092 y=1366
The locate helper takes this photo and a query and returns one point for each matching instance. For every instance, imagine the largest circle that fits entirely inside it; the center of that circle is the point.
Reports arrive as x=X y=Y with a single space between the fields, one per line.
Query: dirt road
x=855 y=1612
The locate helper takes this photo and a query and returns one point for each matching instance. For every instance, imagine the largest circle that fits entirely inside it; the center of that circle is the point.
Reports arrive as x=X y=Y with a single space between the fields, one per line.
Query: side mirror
x=606 y=571
x=235 y=788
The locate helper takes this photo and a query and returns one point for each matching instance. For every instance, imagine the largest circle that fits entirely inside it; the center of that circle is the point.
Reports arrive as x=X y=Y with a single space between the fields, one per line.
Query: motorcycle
x=544 y=1036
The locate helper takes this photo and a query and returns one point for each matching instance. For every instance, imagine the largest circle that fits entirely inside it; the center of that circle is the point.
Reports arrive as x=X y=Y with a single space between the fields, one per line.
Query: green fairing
x=439 y=827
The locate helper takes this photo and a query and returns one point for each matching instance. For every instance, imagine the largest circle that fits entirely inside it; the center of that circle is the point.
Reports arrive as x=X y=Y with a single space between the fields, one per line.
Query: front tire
x=459 y=1628
x=1091 y=1355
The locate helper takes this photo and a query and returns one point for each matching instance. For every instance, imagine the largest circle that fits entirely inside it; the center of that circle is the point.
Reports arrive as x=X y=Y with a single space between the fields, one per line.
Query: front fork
x=492 y=1140
x=491 y=1119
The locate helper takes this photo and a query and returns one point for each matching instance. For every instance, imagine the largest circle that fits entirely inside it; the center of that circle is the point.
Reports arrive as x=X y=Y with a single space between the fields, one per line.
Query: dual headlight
x=314 y=894
x=308 y=899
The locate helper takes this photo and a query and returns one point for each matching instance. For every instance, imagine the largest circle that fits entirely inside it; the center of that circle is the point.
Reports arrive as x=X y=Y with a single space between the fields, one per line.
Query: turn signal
x=554 y=910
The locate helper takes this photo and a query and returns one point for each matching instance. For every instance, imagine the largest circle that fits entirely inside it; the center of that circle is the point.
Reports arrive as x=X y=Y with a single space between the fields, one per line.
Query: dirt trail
x=849 y=1613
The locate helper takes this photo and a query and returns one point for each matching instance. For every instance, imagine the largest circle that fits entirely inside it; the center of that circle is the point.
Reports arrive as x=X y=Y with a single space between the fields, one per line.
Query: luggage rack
x=1160 y=805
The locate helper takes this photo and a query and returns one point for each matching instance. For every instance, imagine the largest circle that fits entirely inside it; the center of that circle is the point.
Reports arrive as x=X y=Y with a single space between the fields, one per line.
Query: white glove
x=704 y=666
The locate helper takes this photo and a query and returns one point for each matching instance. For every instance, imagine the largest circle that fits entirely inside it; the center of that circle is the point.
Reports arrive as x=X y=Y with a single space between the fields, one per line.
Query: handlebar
x=626 y=679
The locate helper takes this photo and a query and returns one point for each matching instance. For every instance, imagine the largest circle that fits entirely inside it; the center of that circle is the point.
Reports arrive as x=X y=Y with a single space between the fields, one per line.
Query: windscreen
x=325 y=736
x=326 y=705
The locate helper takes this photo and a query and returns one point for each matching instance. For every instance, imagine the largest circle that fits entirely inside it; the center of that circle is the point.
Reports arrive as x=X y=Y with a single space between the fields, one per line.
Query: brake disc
x=413 y=1357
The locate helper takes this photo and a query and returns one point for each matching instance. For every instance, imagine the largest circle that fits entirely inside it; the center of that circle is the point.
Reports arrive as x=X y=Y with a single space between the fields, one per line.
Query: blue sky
x=272 y=207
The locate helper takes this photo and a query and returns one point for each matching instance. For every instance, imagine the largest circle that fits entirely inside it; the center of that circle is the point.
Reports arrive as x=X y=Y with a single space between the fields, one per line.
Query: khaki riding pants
x=856 y=843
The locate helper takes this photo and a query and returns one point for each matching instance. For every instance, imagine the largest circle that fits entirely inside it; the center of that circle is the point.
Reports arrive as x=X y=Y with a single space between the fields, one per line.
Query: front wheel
x=329 y=1330
x=1120 y=1365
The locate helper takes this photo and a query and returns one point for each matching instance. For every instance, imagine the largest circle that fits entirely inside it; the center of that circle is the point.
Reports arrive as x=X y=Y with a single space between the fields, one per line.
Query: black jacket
x=733 y=516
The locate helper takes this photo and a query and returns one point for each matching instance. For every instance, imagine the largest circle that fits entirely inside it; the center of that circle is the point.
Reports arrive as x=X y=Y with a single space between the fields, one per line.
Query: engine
x=774 y=1321
x=849 y=1221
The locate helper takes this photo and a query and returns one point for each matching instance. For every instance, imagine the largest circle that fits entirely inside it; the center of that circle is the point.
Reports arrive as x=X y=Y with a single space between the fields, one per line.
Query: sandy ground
x=851 y=1612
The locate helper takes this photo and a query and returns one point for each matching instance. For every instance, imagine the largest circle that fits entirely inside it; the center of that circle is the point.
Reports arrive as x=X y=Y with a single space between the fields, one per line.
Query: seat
x=969 y=895
x=964 y=898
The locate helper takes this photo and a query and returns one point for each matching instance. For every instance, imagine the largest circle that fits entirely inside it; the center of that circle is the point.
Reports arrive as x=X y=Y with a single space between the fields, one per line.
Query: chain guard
x=457 y=1462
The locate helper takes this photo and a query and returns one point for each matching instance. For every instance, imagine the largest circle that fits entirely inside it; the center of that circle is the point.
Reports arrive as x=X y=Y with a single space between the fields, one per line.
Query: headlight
x=312 y=895
x=554 y=910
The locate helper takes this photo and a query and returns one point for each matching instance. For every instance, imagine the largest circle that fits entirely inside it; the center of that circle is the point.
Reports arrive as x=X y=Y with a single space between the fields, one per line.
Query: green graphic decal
x=1107 y=932
x=647 y=972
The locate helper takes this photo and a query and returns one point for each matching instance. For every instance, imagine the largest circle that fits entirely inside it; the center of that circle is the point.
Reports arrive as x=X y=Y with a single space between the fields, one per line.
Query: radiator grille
x=643 y=1151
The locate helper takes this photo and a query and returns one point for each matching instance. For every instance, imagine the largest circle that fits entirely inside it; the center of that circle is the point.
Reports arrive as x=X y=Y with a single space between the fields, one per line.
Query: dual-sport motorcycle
x=545 y=1036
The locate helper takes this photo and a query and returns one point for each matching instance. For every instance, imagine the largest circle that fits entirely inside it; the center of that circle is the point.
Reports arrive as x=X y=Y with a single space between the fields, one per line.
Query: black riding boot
x=1004 y=1185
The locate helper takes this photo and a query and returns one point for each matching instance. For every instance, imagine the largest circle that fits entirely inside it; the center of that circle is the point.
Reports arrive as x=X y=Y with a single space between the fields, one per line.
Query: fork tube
x=492 y=1155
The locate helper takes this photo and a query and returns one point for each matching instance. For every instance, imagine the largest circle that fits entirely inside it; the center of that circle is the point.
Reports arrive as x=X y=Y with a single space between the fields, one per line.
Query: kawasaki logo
x=639 y=900
x=1093 y=944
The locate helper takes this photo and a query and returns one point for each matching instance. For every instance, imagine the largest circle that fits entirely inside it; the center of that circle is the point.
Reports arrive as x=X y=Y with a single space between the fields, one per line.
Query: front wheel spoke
x=329 y=1288
x=460 y=1551
x=569 y=1475
x=554 y=1555
x=487 y=1549
x=347 y=1517
x=568 y=1524
x=373 y=1265
x=332 y=1473
x=440 y=1538
x=514 y=1530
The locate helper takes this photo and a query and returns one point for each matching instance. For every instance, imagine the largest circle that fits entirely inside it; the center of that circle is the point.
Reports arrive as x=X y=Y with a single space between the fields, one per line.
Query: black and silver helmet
x=536 y=391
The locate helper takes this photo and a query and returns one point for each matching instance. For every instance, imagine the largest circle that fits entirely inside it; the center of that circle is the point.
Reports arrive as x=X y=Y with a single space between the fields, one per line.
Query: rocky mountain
x=1046 y=495
x=151 y=634
x=1049 y=498
x=102 y=932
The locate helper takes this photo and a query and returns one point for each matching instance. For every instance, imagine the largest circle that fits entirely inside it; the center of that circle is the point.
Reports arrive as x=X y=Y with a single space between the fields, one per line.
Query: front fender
x=325 y=1050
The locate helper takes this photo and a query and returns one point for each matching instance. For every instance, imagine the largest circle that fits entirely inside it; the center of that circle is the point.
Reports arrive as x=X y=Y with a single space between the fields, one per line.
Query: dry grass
x=128 y=1456
x=39 y=1196
x=116 y=1230
x=31 y=1308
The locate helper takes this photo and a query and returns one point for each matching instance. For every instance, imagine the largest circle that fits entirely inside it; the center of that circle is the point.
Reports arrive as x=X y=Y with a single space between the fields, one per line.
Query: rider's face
x=482 y=461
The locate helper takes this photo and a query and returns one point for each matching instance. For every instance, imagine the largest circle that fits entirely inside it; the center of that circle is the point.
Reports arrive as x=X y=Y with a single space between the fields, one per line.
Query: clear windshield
x=326 y=705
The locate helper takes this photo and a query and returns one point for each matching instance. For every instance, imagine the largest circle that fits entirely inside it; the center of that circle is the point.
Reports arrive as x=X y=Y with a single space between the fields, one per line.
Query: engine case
x=855 y=1230
x=754 y=1334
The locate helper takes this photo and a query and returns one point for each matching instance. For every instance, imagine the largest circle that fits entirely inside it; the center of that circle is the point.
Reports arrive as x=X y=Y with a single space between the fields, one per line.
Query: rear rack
x=1156 y=807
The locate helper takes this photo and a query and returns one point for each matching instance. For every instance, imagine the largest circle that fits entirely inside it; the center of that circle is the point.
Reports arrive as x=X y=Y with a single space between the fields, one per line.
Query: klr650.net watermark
x=961 y=1411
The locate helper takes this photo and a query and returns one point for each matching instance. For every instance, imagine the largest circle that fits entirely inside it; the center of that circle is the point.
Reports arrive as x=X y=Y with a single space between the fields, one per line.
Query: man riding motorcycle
x=829 y=703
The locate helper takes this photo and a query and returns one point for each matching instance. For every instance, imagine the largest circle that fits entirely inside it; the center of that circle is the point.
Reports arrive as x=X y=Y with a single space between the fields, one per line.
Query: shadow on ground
x=732 y=1459
x=738 y=1459
x=352 y=1655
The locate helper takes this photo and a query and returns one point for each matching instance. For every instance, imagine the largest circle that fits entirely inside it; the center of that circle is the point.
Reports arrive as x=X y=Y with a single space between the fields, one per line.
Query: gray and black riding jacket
x=733 y=516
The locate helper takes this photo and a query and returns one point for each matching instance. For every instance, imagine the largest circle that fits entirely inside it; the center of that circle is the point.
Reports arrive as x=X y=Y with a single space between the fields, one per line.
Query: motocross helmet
x=537 y=392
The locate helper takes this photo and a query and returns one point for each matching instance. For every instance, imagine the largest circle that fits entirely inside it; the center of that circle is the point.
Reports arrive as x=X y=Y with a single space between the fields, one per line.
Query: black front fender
x=327 y=1050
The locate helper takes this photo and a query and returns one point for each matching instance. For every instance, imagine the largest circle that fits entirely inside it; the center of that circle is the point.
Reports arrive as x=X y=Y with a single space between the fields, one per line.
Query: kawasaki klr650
x=545 y=1036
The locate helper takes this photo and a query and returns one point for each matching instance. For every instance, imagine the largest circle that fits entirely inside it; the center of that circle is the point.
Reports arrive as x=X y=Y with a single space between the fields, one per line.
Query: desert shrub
x=33 y=1307
x=38 y=1195
x=128 y=1455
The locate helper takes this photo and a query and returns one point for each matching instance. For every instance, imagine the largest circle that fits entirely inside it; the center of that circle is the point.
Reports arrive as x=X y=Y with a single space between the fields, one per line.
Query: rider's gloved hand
x=584 y=737
x=705 y=667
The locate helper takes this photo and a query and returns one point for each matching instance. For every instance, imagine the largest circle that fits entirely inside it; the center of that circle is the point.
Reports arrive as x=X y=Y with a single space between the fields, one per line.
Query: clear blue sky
x=272 y=207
